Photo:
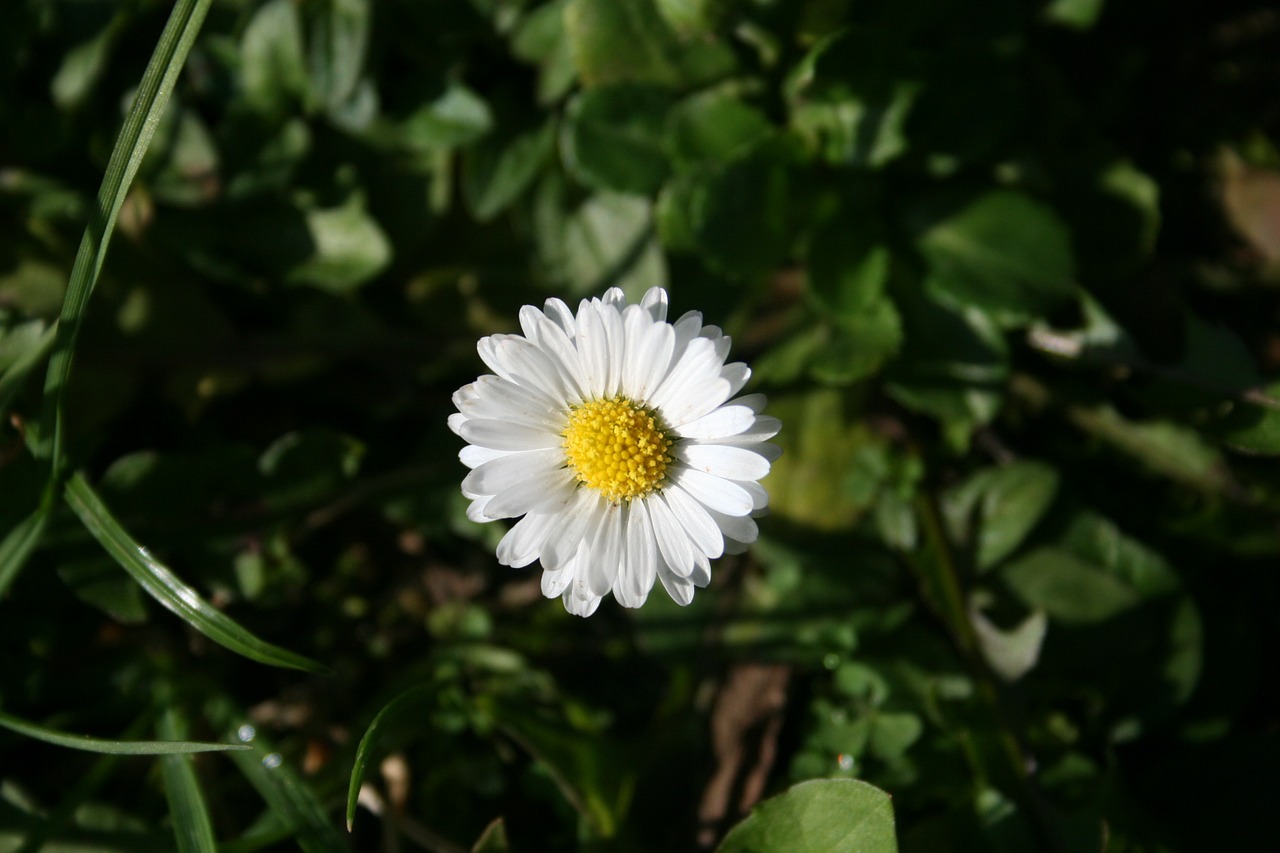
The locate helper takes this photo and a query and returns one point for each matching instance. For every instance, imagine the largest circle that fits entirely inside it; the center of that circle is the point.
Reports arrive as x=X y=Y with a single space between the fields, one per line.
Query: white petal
x=495 y=398
x=551 y=338
x=555 y=583
x=494 y=476
x=593 y=349
x=615 y=339
x=679 y=588
x=473 y=456
x=636 y=576
x=762 y=430
x=614 y=298
x=522 y=362
x=655 y=302
x=740 y=528
x=528 y=494
x=723 y=422
x=701 y=574
x=456 y=421
x=606 y=552
x=475 y=509
x=723 y=460
x=509 y=435
x=648 y=363
x=582 y=516
x=523 y=541
x=703 y=533
x=583 y=607
x=698 y=368
x=719 y=494
x=559 y=313
x=673 y=542
x=736 y=374
x=759 y=497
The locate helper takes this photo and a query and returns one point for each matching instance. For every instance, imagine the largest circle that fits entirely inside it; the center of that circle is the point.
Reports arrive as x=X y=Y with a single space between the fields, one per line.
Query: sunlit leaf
x=818 y=817
x=104 y=745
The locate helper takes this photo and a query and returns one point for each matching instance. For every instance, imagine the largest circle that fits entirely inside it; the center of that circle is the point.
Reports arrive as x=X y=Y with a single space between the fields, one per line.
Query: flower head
x=613 y=433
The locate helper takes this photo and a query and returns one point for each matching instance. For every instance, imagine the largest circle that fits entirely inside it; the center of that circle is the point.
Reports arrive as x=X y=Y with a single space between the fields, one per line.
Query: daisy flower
x=613 y=433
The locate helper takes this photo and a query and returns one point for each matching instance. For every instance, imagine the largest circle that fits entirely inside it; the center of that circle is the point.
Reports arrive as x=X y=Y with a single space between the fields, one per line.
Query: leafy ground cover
x=1007 y=272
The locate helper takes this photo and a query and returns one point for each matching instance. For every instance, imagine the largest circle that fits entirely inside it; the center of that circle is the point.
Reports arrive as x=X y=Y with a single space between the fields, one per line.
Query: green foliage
x=1005 y=271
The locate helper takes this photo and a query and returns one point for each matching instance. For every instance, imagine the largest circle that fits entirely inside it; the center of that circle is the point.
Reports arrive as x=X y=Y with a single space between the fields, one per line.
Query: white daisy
x=613 y=433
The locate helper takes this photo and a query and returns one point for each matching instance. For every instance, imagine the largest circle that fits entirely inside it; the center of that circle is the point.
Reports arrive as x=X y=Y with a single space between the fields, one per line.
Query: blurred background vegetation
x=1008 y=271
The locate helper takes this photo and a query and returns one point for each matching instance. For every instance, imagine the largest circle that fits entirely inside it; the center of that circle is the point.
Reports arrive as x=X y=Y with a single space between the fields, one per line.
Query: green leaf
x=498 y=171
x=1076 y=14
x=628 y=40
x=98 y=582
x=1069 y=589
x=337 y=43
x=851 y=95
x=162 y=585
x=818 y=816
x=458 y=117
x=860 y=344
x=703 y=212
x=540 y=39
x=191 y=825
x=348 y=249
x=1003 y=253
x=1250 y=428
x=273 y=67
x=493 y=839
x=83 y=66
x=613 y=137
x=131 y=145
x=607 y=240
x=1010 y=653
x=112 y=747
x=288 y=796
x=712 y=126
x=19 y=544
x=390 y=717
x=996 y=508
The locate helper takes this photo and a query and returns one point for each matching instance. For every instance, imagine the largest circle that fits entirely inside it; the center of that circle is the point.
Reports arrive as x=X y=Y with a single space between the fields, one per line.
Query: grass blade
x=11 y=381
x=135 y=135
x=191 y=825
x=19 y=544
x=364 y=752
x=111 y=747
x=285 y=793
x=165 y=587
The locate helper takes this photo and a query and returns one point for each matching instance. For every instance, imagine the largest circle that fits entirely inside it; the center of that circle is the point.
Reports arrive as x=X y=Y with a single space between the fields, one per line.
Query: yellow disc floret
x=617 y=447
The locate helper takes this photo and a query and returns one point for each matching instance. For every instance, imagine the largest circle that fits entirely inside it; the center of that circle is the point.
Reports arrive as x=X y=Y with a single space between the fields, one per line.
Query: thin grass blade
x=111 y=747
x=152 y=97
x=18 y=545
x=191 y=825
x=165 y=587
x=283 y=790
x=365 y=752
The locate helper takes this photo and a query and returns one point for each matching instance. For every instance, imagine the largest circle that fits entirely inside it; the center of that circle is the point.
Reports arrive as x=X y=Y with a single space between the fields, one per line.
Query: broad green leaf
x=337 y=41
x=131 y=145
x=818 y=816
x=605 y=241
x=695 y=17
x=613 y=137
x=162 y=585
x=83 y=66
x=995 y=509
x=849 y=262
x=1253 y=428
x=711 y=126
x=628 y=40
x=273 y=65
x=703 y=211
x=540 y=39
x=860 y=344
x=1069 y=589
x=348 y=248
x=187 y=810
x=498 y=171
x=391 y=717
x=851 y=95
x=1076 y=14
x=290 y=798
x=822 y=438
x=112 y=747
x=97 y=581
x=182 y=168
x=457 y=117
x=1003 y=253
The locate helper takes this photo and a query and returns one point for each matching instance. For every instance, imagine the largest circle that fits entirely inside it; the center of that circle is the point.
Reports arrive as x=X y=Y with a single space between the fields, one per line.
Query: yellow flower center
x=617 y=447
